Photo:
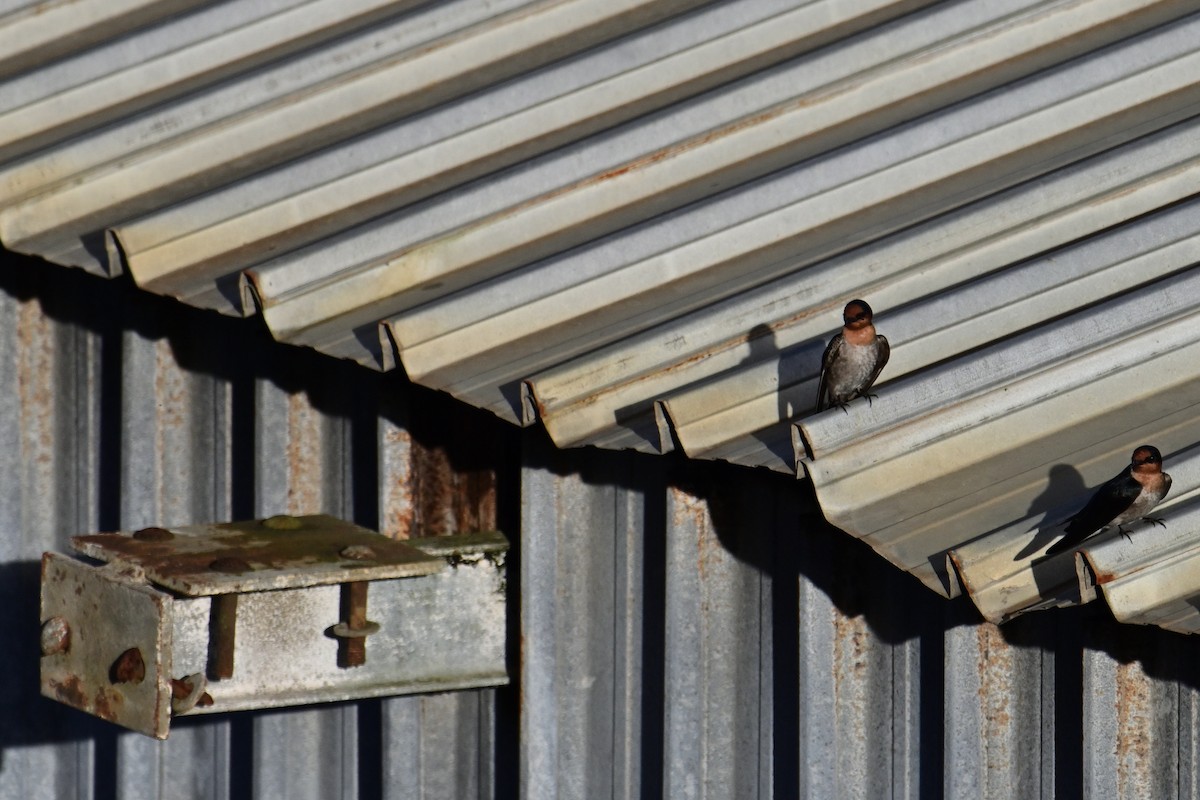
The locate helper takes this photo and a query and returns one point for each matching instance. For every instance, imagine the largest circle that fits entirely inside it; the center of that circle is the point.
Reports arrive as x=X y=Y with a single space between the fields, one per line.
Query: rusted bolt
x=282 y=522
x=230 y=565
x=56 y=636
x=186 y=693
x=153 y=535
x=353 y=631
x=357 y=552
x=128 y=668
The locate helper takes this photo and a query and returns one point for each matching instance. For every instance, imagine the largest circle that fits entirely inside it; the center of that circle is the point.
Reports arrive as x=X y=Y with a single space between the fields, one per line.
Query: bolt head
x=357 y=552
x=56 y=636
x=153 y=535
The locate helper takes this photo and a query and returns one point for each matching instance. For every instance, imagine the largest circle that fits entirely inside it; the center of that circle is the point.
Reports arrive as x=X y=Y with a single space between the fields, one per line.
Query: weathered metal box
x=268 y=613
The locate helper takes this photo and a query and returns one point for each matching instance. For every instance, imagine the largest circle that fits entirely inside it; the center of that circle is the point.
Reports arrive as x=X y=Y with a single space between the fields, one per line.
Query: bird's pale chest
x=855 y=364
x=1153 y=490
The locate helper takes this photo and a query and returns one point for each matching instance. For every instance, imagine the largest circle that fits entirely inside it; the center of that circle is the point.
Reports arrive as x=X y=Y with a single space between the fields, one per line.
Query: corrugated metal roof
x=635 y=223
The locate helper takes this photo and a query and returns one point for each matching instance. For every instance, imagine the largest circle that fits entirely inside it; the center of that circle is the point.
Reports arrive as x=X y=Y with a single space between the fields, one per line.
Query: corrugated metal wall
x=678 y=629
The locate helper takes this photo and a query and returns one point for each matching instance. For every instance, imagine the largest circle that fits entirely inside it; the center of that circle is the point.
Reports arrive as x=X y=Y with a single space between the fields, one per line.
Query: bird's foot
x=869 y=395
x=845 y=407
x=1121 y=530
x=1155 y=521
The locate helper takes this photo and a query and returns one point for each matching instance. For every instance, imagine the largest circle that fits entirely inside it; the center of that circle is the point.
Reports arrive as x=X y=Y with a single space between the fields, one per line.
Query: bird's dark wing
x=1109 y=500
x=831 y=354
x=1166 y=486
x=883 y=351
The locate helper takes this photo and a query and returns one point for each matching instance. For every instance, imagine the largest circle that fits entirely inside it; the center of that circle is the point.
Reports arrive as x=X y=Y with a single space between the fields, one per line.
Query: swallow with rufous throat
x=853 y=359
x=1129 y=496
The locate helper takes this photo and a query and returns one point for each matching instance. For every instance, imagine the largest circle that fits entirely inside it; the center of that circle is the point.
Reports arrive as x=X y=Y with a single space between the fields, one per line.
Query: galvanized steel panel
x=669 y=639
x=636 y=227
x=718 y=679
x=582 y=628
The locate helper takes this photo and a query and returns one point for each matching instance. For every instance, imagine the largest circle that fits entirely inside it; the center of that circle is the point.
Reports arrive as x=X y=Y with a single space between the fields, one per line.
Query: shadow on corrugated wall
x=676 y=627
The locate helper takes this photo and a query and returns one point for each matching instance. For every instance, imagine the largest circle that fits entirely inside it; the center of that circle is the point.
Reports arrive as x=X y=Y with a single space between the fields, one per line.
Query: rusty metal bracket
x=264 y=614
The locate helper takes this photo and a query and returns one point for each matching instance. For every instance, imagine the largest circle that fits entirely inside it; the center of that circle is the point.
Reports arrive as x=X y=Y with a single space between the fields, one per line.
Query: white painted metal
x=726 y=261
x=126 y=91
x=352 y=102
x=45 y=31
x=175 y=242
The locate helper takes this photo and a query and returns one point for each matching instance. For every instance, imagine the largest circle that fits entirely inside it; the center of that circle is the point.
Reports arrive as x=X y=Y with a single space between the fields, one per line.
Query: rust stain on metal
x=188 y=693
x=1134 y=721
x=153 y=535
x=1105 y=577
x=352 y=651
x=996 y=670
x=129 y=667
x=450 y=500
x=435 y=482
x=850 y=645
x=671 y=151
x=239 y=548
x=108 y=703
x=180 y=688
x=70 y=691
x=689 y=511
x=851 y=650
x=171 y=389
x=306 y=443
x=396 y=479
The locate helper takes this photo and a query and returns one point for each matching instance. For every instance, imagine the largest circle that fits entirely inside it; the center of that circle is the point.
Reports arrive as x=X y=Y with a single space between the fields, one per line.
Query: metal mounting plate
x=85 y=673
x=275 y=553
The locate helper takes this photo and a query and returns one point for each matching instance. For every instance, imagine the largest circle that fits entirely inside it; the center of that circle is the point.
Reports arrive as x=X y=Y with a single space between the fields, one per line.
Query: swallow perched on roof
x=853 y=359
x=1128 y=496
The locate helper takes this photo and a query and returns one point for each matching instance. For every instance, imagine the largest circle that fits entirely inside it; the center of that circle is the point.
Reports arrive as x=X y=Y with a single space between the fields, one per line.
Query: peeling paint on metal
x=397 y=509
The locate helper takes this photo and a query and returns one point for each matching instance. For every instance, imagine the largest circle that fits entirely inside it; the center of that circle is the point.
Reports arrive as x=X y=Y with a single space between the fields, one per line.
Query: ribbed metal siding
x=122 y=413
x=686 y=630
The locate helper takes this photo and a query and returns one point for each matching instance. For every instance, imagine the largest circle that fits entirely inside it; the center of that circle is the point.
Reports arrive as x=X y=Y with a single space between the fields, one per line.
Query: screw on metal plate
x=353 y=631
x=283 y=522
x=189 y=692
x=56 y=636
x=153 y=535
x=357 y=552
